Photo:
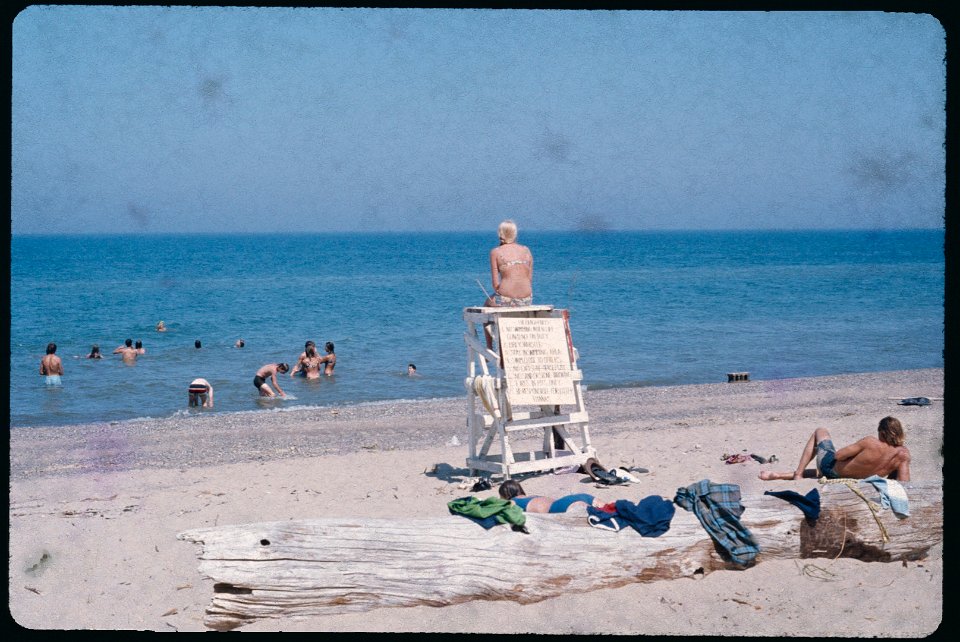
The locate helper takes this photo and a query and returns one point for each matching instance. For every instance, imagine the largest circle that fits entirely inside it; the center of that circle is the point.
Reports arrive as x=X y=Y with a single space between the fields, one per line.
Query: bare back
x=50 y=364
x=267 y=371
x=870 y=456
x=511 y=268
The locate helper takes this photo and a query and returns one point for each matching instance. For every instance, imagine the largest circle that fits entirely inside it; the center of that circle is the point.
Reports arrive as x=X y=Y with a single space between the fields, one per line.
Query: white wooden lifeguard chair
x=528 y=381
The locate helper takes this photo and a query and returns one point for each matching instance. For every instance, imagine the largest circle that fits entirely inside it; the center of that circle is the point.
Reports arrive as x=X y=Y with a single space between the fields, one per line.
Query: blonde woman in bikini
x=511 y=270
x=309 y=362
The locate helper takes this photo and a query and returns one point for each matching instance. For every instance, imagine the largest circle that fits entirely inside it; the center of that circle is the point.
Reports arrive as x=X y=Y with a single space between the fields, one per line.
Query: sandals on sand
x=598 y=473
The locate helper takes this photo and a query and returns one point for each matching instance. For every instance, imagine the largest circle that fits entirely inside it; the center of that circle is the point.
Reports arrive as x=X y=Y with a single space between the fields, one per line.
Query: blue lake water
x=646 y=309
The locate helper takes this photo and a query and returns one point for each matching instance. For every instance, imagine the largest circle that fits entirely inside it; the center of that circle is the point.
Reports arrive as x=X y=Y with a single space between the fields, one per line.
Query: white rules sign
x=536 y=361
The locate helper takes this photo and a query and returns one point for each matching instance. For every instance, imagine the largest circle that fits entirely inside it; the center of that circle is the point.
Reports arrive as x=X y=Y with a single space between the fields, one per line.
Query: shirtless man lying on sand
x=886 y=456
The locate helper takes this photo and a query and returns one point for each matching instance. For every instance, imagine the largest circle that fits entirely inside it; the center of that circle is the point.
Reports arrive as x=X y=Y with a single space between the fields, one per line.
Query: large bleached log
x=338 y=565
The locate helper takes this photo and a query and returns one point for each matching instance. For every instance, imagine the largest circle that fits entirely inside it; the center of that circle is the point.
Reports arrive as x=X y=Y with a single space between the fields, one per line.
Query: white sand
x=102 y=505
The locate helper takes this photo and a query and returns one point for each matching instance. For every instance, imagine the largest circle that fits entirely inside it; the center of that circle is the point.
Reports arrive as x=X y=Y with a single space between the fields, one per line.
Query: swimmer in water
x=51 y=367
x=127 y=352
x=330 y=359
x=308 y=363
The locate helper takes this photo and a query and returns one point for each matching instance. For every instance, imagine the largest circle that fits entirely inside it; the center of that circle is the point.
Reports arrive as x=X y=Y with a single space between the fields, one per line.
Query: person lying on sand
x=886 y=456
x=512 y=490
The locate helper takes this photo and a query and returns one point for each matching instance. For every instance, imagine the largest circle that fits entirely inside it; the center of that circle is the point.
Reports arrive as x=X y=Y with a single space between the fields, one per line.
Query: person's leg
x=809 y=450
x=266 y=391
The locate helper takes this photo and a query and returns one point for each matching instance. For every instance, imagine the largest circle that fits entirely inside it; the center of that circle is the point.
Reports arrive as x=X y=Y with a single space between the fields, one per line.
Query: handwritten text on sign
x=536 y=361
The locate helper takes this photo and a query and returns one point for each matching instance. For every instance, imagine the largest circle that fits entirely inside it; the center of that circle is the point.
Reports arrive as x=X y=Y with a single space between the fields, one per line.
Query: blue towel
x=718 y=508
x=650 y=516
x=809 y=503
x=892 y=495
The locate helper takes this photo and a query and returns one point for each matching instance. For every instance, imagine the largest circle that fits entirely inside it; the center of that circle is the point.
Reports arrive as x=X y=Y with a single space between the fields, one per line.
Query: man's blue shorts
x=826 y=459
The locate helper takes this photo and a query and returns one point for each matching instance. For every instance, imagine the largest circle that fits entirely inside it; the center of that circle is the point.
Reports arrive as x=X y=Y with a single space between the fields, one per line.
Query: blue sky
x=211 y=119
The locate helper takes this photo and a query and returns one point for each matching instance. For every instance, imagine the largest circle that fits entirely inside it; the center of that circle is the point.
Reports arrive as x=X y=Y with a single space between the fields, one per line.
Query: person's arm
x=297 y=366
x=42 y=369
x=903 y=470
x=851 y=451
x=276 y=384
x=59 y=367
x=209 y=402
x=494 y=272
x=119 y=349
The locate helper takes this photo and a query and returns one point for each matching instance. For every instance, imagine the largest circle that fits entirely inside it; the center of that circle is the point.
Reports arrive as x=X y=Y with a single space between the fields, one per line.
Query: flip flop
x=914 y=401
x=760 y=459
x=607 y=477
x=621 y=473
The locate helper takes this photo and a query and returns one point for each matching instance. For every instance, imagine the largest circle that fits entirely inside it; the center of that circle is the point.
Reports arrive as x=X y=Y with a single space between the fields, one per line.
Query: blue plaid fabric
x=718 y=508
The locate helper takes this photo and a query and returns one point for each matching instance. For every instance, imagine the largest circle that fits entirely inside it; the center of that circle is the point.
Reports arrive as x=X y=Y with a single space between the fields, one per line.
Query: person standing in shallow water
x=308 y=363
x=330 y=359
x=269 y=370
x=200 y=393
x=51 y=367
x=127 y=352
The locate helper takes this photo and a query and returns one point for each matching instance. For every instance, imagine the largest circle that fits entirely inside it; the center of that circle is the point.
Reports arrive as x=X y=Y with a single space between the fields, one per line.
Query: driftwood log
x=337 y=565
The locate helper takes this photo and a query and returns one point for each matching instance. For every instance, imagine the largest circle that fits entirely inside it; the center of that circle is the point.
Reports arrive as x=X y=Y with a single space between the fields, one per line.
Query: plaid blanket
x=718 y=508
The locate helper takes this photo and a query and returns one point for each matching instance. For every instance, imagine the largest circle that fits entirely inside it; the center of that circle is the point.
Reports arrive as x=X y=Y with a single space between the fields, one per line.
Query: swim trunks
x=511 y=302
x=561 y=505
x=197 y=389
x=258 y=381
x=53 y=380
x=827 y=459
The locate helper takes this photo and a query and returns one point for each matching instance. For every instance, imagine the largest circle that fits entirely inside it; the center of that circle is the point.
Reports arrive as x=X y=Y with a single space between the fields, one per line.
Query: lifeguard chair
x=528 y=381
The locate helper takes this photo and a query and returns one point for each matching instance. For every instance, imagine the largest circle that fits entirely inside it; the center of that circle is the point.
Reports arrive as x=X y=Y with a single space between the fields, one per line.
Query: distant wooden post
x=533 y=364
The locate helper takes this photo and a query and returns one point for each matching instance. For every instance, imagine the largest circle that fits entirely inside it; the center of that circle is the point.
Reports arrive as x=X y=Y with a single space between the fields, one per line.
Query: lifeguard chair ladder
x=528 y=381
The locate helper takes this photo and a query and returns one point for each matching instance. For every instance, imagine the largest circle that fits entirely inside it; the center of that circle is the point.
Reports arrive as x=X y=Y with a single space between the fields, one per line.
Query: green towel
x=503 y=510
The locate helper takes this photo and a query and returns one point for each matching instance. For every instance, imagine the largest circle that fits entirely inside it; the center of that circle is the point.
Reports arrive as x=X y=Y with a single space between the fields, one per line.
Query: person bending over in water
x=330 y=359
x=95 y=352
x=512 y=490
x=51 y=367
x=127 y=352
x=885 y=456
x=269 y=370
x=308 y=363
x=200 y=392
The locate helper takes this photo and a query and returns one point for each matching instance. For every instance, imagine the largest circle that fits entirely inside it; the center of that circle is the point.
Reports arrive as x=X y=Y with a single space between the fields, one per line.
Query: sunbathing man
x=886 y=456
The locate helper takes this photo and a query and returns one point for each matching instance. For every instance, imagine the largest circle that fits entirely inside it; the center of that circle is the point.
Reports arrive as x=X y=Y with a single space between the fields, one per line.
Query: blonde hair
x=890 y=431
x=507 y=231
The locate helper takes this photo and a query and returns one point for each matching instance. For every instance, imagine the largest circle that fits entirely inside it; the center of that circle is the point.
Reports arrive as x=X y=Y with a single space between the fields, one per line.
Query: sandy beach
x=95 y=510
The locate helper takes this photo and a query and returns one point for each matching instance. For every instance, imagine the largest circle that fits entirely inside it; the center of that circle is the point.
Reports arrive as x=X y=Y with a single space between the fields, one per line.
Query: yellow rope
x=872 y=505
